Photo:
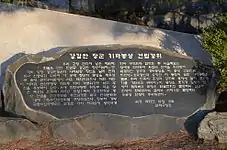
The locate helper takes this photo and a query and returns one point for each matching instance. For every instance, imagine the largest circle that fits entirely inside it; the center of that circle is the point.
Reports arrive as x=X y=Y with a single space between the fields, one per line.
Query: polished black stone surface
x=132 y=82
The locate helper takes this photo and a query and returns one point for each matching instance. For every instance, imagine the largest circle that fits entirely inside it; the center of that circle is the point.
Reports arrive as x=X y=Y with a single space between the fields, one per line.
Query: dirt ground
x=170 y=141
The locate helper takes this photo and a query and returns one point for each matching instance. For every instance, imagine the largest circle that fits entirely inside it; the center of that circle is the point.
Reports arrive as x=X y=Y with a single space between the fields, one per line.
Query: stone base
x=92 y=129
x=15 y=129
x=102 y=129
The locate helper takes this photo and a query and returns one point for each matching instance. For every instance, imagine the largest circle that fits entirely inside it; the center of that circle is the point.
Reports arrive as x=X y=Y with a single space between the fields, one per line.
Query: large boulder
x=87 y=89
x=213 y=126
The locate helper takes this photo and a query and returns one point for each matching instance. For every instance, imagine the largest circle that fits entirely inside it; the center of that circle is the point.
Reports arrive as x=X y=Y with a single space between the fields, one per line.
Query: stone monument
x=111 y=92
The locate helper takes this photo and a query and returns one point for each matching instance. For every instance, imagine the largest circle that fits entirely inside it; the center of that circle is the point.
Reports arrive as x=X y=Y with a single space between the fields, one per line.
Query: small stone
x=151 y=23
x=214 y=126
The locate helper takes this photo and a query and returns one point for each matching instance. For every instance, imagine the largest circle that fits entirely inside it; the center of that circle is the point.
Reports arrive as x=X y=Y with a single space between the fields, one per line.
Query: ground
x=170 y=141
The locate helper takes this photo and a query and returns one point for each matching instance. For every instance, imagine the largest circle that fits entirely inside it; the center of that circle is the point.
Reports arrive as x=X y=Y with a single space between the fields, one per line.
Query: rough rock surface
x=102 y=129
x=213 y=126
x=15 y=129
x=13 y=99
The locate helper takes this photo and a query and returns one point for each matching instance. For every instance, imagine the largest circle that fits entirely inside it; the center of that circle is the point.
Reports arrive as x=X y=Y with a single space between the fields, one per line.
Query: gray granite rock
x=15 y=129
x=105 y=128
x=145 y=127
x=214 y=126
x=93 y=129
x=97 y=128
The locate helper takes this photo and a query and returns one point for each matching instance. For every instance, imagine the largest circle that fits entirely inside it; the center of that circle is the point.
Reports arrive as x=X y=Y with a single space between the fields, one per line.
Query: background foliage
x=215 y=42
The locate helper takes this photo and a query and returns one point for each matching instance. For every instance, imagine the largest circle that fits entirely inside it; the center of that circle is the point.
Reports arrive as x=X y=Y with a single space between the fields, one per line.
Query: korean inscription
x=129 y=82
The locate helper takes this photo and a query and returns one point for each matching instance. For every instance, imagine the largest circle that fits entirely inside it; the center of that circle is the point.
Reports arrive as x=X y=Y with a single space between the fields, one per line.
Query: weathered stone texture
x=214 y=126
x=15 y=129
x=104 y=128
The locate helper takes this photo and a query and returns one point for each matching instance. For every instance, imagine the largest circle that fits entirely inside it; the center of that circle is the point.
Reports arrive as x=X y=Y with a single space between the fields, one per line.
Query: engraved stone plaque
x=99 y=94
x=129 y=81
